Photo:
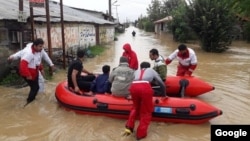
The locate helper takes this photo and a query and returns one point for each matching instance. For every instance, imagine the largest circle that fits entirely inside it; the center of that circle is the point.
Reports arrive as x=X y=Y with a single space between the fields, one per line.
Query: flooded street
x=44 y=120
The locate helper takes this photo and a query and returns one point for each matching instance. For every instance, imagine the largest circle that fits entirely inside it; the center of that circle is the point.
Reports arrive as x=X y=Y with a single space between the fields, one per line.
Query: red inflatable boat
x=186 y=86
x=176 y=110
x=180 y=86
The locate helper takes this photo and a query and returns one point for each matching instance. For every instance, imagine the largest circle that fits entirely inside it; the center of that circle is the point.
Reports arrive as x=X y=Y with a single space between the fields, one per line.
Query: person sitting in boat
x=142 y=96
x=76 y=81
x=121 y=78
x=101 y=84
x=131 y=56
x=133 y=33
x=159 y=63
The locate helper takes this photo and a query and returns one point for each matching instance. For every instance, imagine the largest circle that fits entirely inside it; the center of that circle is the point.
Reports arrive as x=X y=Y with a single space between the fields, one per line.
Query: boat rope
x=95 y=101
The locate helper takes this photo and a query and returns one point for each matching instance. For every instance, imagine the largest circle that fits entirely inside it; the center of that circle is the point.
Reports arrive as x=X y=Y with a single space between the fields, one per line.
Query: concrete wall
x=76 y=35
x=107 y=34
x=157 y=28
x=161 y=27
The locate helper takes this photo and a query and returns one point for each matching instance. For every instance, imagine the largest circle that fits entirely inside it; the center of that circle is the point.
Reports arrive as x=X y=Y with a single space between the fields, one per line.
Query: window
x=27 y=36
x=14 y=36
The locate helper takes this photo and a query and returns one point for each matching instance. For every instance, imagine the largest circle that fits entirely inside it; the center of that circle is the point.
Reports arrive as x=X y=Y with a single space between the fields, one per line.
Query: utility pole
x=32 y=23
x=21 y=24
x=110 y=9
x=48 y=28
x=20 y=5
x=48 y=31
x=110 y=15
x=62 y=28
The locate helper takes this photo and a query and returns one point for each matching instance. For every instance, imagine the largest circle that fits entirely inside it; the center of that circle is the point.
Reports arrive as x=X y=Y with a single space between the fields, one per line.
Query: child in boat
x=101 y=84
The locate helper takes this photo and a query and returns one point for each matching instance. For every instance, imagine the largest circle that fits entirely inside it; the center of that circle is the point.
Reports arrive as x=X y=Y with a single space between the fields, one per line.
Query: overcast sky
x=126 y=9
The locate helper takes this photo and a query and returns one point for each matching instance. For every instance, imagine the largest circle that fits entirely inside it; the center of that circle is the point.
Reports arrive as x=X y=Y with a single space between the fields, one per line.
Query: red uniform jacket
x=131 y=55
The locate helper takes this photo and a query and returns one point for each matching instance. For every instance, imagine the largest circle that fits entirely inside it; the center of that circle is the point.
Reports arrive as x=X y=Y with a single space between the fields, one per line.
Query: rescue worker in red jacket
x=142 y=96
x=131 y=56
x=187 y=60
x=30 y=65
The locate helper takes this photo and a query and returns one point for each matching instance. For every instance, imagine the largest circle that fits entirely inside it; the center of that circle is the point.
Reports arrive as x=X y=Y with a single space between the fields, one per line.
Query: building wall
x=76 y=35
x=157 y=28
x=87 y=35
x=161 y=27
x=107 y=34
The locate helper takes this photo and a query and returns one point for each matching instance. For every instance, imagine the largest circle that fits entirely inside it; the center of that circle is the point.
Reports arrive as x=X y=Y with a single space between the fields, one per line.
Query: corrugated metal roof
x=93 y=13
x=10 y=8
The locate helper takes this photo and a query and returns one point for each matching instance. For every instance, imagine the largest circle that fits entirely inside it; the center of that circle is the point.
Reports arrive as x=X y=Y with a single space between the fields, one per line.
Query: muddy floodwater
x=44 y=120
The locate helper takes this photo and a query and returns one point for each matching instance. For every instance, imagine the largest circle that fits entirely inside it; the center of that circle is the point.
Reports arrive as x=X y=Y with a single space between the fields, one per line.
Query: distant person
x=133 y=33
x=159 y=63
x=131 y=56
x=76 y=81
x=142 y=96
x=101 y=84
x=121 y=78
x=187 y=60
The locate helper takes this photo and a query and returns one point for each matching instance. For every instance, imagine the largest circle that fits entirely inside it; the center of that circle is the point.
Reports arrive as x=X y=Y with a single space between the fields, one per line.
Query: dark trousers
x=84 y=82
x=34 y=87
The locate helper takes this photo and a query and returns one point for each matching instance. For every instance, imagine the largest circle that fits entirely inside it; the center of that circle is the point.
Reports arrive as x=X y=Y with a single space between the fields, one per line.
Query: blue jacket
x=101 y=84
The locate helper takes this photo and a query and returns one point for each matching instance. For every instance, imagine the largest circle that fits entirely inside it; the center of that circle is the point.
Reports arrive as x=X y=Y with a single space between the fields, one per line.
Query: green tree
x=241 y=7
x=169 y=6
x=154 y=10
x=212 y=21
x=140 y=22
x=145 y=24
x=244 y=12
x=246 y=31
x=179 y=27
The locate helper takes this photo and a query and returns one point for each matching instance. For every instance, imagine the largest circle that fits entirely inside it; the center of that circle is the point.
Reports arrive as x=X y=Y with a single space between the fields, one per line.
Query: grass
x=96 y=50
x=47 y=74
x=10 y=79
x=13 y=79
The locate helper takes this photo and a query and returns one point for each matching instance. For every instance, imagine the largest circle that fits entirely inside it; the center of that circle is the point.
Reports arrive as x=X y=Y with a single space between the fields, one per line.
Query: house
x=81 y=27
x=161 y=25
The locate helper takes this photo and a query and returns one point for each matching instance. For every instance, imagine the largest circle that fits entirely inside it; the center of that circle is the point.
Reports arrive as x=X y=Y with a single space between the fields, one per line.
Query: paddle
x=183 y=84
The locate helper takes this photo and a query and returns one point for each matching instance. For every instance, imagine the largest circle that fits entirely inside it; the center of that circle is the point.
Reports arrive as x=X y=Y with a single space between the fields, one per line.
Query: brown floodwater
x=44 y=120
